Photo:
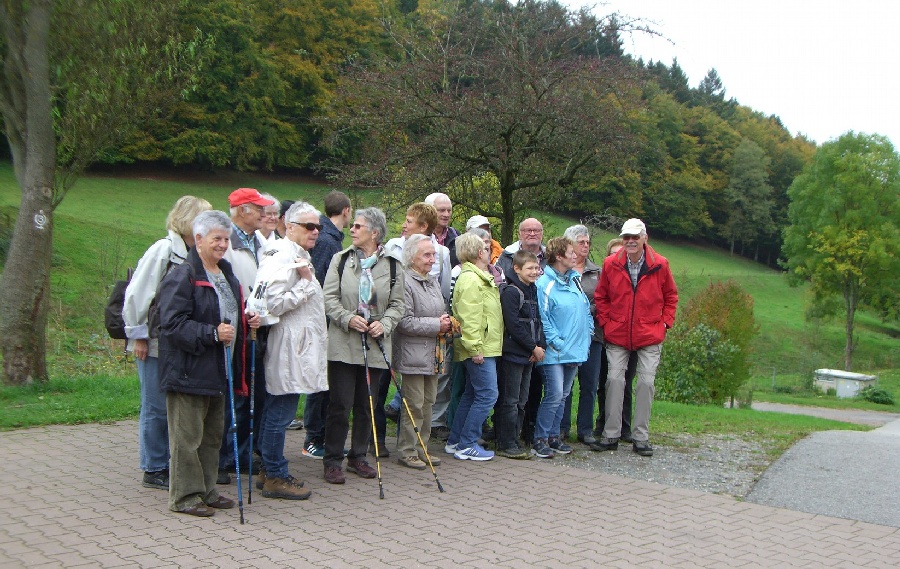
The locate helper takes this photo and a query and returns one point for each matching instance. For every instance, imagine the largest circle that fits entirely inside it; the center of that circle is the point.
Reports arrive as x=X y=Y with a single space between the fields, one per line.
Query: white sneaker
x=451 y=449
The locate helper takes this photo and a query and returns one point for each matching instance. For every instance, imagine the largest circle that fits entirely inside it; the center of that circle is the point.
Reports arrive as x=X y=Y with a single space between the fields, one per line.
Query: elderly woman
x=589 y=371
x=271 y=214
x=142 y=291
x=476 y=304
x=416 y=345
x=201 y=321
x=364 y=302
x=297 y=344
x=568 y=327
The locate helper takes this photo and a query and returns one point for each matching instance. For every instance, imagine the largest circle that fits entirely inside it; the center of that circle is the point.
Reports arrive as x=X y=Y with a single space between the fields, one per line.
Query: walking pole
x=365 y=347
x=237 y=466
x=252 y=401
x=409 y=413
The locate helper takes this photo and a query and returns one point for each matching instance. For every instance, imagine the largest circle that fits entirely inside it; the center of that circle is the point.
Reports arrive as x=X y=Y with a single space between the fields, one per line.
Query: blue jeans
x=280 y=411
x=588 y=382
x=476 y=403
x=558 y=379
x=153 y=426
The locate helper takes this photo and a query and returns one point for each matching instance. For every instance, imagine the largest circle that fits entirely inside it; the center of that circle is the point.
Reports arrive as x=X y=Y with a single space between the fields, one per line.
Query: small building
x=846 y=384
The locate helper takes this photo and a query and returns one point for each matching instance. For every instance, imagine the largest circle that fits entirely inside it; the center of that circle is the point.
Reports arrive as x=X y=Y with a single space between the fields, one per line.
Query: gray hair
x=577 y=231
x=375 y=219
x=297 y=209
x=210 y=220
x=276 y=205
x=411 y=247
x=431 y=198
x=233 y=211
x=468 y=247
x=482 y=233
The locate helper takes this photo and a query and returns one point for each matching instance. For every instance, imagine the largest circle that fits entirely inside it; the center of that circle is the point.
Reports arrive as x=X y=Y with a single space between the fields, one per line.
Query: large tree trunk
x=851 y=299
x=28 y=119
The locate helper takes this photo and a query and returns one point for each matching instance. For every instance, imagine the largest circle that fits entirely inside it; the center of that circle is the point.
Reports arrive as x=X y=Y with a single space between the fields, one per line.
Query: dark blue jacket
x=330 y=241
x=191 y=361
x=522 y=326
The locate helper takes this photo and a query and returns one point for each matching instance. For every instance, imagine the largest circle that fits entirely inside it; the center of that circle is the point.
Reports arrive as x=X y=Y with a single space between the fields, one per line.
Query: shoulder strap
x=392 y=261
x=341 y=265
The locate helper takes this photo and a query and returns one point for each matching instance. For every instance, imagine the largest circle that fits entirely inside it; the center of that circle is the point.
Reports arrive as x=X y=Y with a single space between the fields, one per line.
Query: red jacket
x=635 y=318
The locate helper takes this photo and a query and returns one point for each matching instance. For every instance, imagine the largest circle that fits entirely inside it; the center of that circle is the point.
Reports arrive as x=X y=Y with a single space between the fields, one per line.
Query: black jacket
x=522 y=326
x=191 y=361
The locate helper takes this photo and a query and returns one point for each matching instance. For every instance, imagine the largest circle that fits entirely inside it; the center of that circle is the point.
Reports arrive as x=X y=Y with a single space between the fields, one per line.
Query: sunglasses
x=309 y=226
x=358 y=226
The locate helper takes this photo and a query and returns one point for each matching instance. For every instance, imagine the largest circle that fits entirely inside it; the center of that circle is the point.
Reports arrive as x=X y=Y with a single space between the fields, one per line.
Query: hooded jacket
x=566 y=315
x=522 y=325
x=476 y=304
x=191 y=360
x=636 y=317
x=416 y=339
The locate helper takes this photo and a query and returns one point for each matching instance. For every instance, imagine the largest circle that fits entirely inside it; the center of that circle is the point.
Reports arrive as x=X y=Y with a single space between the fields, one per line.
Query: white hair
x=297 y=209
x=411 y=247
x=210 y=220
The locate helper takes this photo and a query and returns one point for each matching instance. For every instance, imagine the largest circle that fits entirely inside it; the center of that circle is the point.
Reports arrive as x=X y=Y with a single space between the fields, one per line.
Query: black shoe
x=383 y=452
x=254 y=466
x=587 y=439
x=440 y=433
x=488 y=434
x=642 y=448
x=626 y=437
x=223 y=477
x=391 y=413
x=158 y=479
x=605 y=444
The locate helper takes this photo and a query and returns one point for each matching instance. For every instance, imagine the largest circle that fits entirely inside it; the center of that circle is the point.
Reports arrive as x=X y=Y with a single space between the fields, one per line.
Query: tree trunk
x=851 y=299
x=507 y=209
x=28 y=119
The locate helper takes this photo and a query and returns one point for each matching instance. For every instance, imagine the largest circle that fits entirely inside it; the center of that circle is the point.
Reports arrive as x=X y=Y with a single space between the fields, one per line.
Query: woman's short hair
x=424 y=213
x=376 y=221
x=577 y=231
x=614 y=242
x=556 y=249
x=183 y=213
x=297 y=210
x=411 y=247
x=468 y=247
x=482 y=233
x=275 y=206
x=210 y=220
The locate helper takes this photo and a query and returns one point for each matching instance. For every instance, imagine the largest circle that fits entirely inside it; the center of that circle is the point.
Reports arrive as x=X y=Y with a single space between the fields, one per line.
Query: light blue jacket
x=566 y=315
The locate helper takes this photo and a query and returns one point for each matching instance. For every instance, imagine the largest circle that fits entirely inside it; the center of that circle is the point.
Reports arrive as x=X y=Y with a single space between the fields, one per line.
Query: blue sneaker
x=474 y=453
x=451 y=449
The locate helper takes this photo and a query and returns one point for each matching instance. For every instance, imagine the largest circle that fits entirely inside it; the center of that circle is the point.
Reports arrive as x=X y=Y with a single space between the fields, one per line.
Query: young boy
x=523 y=346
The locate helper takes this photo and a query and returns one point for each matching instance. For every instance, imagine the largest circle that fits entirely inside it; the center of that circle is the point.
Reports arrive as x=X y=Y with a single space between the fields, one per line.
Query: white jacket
x=143 y=286
x=297 y=350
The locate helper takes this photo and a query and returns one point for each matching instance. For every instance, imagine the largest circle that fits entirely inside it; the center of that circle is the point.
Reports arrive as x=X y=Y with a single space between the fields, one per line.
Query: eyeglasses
x=358 y=226
x=630 y=237
x=309 y=226
x=270 y=213
x=533 y=231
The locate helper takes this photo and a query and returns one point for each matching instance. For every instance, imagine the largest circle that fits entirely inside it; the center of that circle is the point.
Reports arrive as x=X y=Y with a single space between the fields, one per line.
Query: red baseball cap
x=243 y=196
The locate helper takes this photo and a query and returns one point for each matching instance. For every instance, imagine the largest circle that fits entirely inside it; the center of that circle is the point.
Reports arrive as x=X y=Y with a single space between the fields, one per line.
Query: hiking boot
x=642 y=448
x=391 y=413
x=412 y=462
x=334 y=475
x=435 y=460
x=626 y=437
x=558 y=446
x=286 y=489
x=541 y=449
x=476 y=453
x=383 y=451
x=515 y=452
x=261 y=479
x=200 y=510
x=158 y=479
x=605 y=444
x=441 y=433
x=313 y=450
x=221 y=503
x=588 y=439
x=296 y=425
x=223 y=477
x=361 y=468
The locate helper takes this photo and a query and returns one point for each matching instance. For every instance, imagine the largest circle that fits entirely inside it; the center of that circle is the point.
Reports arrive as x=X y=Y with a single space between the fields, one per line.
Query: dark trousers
x=242 y=413
x=314 y=414
x=348 y=391
x=513 y=383
x=380 y=398
x=535 y=394
x=626 y=401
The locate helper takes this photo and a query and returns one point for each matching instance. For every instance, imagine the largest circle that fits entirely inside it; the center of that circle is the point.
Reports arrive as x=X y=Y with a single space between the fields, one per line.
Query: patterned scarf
x=368 y=297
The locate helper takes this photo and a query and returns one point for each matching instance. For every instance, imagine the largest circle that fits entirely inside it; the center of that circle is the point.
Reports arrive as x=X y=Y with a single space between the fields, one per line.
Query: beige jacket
x=416 y=340
x=342 y=301
x=296 y=349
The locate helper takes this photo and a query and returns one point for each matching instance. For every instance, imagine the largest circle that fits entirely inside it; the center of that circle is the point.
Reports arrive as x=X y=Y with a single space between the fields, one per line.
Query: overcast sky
x=824 y=67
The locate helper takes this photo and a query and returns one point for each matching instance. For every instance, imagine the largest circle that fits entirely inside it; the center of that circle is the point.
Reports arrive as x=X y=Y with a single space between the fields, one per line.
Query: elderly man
x=636 y=300
x=245 y=250
x=531 y=237
x=444 y=234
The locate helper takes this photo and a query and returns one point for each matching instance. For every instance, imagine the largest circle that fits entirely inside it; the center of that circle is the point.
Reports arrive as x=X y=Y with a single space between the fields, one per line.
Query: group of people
x=265 y=305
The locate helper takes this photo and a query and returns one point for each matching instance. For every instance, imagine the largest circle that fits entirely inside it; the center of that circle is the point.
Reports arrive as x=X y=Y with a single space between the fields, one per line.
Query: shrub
x=695 y=362
x=877 y=395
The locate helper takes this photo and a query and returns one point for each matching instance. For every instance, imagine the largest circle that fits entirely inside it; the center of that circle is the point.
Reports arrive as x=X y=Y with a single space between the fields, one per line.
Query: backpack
x=505 y=285
x=112 y=314
x=392 y=261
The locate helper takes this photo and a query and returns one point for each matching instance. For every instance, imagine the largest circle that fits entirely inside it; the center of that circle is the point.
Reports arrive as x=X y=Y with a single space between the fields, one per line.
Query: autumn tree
x=530 y=93
x=748 y=196
x=76 y=76
x=844 y=232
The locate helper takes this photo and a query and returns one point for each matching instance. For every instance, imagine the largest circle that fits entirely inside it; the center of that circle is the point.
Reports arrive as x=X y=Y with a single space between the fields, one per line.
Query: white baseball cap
x=477 y=221
x=633 y=226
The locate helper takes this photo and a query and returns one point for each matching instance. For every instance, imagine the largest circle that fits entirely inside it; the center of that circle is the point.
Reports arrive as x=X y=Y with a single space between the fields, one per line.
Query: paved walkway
x=71 y=498
x=858 y=416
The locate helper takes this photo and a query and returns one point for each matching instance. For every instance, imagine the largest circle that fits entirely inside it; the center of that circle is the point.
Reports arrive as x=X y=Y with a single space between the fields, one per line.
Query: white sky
x=824 y=67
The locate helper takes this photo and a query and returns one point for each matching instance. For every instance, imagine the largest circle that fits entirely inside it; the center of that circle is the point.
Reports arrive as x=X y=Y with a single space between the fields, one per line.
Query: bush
x=877 y=395
x=695 y=362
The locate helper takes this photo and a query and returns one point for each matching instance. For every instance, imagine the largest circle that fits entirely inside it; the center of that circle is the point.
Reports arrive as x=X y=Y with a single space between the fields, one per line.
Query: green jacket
x=476 y=304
